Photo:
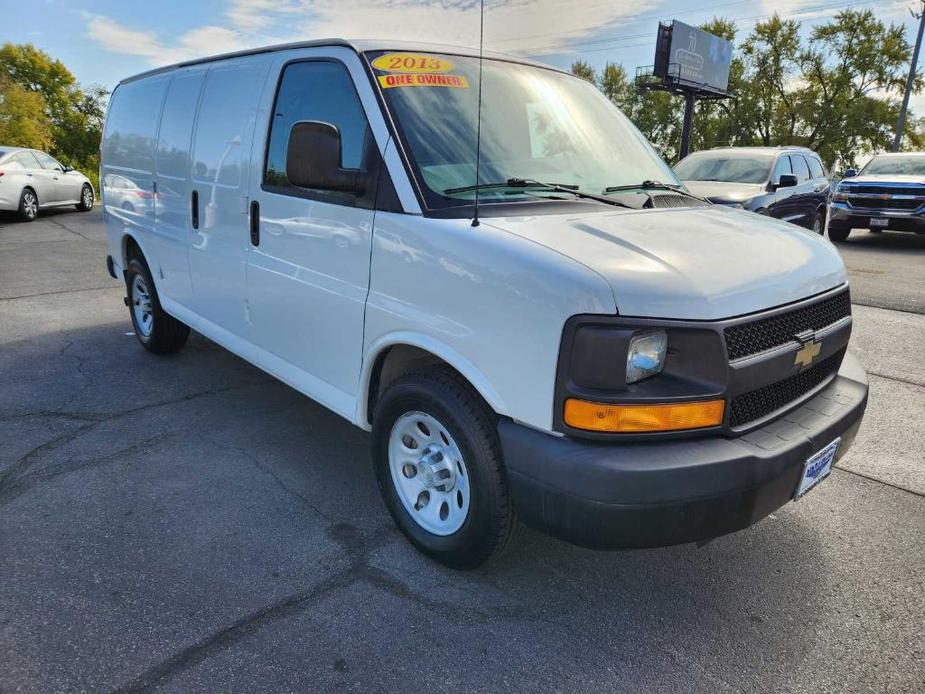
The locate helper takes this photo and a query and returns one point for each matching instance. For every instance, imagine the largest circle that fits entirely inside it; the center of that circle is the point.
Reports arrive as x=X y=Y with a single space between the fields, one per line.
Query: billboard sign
x=691 y=56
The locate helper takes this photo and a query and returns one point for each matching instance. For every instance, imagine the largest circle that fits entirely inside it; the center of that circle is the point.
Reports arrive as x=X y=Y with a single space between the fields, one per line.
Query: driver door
x=308 y=264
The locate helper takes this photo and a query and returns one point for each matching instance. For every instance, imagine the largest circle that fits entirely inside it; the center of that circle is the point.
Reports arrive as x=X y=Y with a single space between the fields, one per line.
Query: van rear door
x=217 y=197
x=308 y=269
x=172 y=202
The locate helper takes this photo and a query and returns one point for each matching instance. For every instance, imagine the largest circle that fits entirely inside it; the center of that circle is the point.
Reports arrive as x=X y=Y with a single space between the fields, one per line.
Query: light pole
x=901 y=123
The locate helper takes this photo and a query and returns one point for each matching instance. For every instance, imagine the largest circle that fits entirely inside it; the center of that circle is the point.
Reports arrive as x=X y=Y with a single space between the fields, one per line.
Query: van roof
x=359 y=46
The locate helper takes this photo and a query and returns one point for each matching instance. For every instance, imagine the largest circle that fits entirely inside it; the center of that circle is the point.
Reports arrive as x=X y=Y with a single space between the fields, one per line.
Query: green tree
x=853 y=74
x=22 y=117
x=582 y=69
x=72 y=116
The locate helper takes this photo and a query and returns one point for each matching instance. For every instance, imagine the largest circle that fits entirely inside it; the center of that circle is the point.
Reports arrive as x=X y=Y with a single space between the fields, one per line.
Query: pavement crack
x=267 y=470
x=18 y=469
x=898 y=379
x=871 y=478
x=56 y=293
x=358 y=549
x=24 y=462
x=24 y=483
x=66 y=228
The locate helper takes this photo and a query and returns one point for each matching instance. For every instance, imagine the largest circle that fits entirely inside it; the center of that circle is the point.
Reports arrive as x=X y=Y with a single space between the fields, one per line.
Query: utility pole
x=689 y=101
x=901 y=123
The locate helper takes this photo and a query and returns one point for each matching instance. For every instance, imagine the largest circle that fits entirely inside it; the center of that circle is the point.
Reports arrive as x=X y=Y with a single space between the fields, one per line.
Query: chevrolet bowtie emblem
x=806 y=354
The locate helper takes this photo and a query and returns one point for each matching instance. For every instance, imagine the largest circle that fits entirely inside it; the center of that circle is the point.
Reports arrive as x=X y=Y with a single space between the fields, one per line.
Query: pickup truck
x=887 y=194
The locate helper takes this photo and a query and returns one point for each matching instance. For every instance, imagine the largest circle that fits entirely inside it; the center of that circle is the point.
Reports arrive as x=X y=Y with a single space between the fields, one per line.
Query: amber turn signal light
x=596 y=416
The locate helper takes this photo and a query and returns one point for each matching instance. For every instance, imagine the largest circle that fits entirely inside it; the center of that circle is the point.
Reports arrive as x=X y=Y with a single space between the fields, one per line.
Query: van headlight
x=646 y=354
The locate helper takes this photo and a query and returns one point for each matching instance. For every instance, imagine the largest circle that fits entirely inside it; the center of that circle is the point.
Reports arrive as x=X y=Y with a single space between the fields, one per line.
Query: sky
x=103 y=41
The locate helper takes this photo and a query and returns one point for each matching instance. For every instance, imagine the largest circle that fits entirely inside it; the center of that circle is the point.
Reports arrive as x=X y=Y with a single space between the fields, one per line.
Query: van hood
x=727 y=192
x=690 y=263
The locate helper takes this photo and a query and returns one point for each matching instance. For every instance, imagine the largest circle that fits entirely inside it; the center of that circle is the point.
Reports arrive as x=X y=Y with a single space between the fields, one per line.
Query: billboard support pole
x=689 y=100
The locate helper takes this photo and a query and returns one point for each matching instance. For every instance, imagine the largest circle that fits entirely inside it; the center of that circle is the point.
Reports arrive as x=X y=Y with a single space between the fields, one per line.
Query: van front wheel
x=157 y=331
x=439 y=465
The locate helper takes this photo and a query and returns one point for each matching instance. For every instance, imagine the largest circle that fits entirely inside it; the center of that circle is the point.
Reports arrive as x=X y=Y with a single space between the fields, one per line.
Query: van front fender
x=433 y=347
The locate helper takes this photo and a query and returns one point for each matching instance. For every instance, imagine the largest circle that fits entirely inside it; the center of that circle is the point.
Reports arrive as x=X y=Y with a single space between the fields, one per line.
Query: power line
x=612 y=41
x=635 y=19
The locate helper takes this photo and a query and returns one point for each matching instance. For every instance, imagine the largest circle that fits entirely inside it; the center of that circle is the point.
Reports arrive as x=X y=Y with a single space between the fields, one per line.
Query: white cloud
x=519 y=26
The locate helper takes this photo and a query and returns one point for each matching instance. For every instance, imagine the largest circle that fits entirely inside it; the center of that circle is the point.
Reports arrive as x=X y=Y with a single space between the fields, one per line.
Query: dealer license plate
x=817 y=468
x=879 y=221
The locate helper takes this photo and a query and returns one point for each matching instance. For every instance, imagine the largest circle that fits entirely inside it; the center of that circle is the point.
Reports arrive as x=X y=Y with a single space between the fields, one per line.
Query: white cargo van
x=593 y=350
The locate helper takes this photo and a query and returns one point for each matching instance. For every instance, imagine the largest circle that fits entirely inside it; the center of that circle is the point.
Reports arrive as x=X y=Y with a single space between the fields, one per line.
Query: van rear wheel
x=440 y=469
x=157 y=331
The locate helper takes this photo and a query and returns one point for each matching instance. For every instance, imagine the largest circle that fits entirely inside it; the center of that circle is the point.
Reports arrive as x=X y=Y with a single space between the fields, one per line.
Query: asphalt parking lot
x=188 y=524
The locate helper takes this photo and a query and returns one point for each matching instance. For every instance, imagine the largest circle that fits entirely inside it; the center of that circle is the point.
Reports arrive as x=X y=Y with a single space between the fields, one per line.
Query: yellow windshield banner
x=423 y=80
x=412 y=63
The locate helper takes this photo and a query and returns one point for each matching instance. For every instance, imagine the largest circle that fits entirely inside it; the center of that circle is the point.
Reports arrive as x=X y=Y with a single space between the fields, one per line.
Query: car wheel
x=157 y=331
x=28 y=205
x=818 y=224
x=838 y=233
x=86 y=199
x=439 y=465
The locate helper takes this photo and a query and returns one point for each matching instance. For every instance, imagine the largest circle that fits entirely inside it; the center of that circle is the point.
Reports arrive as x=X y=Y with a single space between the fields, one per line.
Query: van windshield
x=538 y=125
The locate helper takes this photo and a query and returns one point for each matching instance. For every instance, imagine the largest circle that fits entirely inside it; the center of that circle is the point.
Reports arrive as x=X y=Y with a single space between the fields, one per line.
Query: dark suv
x=789 y=183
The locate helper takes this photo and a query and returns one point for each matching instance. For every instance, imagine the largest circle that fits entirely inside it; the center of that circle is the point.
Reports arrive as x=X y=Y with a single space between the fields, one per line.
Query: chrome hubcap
x=429 y=473
x=141 y=306
x=88 y=197
x=30 y=205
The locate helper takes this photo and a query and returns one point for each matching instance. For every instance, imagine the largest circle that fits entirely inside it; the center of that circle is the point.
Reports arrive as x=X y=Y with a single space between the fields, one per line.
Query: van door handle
x=255 y=223
x=194 y=209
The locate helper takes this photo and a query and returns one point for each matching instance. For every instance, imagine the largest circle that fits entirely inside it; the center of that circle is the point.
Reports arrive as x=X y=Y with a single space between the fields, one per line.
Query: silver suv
x=31 y=180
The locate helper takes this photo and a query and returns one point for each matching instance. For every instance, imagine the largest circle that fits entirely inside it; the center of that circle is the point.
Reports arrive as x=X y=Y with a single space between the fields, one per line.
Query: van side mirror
x=851 y=173
x=313 y=159
x=787 y=181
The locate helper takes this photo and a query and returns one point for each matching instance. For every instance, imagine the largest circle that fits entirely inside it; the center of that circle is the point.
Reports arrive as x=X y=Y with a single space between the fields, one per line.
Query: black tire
x=818 y=222
x=28 y=205
x=166 y=334
x=490 y=524
x=86 y=198
x=838 y=233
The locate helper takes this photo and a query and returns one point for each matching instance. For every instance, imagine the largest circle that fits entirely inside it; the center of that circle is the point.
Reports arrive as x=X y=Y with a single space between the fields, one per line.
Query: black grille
x=763 y=334
x=876 y=204
x=883 y=190
x=759 y=403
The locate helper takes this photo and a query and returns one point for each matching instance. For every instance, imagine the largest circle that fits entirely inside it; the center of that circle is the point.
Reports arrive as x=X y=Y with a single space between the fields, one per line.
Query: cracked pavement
x=186 y=523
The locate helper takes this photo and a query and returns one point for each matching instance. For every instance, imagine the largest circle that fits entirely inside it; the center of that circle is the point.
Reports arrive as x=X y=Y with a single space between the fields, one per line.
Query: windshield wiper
x=530 y=183
x=655 y=185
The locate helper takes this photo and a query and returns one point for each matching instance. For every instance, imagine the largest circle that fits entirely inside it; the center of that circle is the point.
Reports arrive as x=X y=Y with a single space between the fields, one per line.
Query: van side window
x=782 y=167
x=132 y=124
x=815 y=167
x=799 y=167
x=173 y=142
x=321 y=90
